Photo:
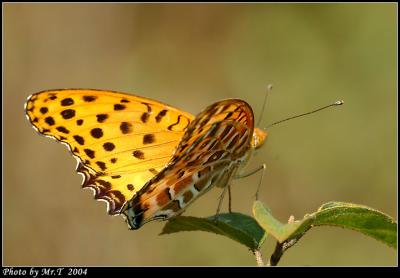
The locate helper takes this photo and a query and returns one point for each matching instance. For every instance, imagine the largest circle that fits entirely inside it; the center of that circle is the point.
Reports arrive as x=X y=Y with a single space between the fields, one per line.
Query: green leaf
x=278 y=230
x=360 y=218
x=239 y=227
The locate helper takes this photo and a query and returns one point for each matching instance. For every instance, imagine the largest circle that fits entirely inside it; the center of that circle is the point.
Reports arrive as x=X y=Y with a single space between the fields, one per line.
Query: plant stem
x=280 y=248
x=259 y=259
x=276 y=256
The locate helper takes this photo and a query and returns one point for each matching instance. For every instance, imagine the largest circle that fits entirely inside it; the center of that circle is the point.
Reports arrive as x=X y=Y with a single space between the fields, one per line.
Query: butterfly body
x=147 y=160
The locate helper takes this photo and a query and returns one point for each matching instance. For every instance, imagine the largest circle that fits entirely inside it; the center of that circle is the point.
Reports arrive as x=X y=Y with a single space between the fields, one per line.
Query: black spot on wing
x=125 y=127
x=79 y=139
x=138 y=154
x=108 y=146
x=145 y=117
x=50 y=121
x=97 y=133
x=68 y=113
x=148 y=139
x=89 y=98
x=102 y=165
x=101 y=117
x=67 y=102
x=62 y=129
x=89 y=153
x=118 y=107
x=160 y=115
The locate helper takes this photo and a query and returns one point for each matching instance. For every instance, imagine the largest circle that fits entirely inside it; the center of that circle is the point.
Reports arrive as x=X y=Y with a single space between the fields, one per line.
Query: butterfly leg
x=262 y=167
x=261 y=179
x=230 y=199
x=221 y=198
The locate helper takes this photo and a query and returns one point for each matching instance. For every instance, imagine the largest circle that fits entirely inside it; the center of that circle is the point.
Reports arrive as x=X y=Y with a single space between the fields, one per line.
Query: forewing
x=121 y=141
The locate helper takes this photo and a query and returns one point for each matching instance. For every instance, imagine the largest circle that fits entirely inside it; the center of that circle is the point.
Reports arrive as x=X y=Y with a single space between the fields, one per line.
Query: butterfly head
x=259 y=137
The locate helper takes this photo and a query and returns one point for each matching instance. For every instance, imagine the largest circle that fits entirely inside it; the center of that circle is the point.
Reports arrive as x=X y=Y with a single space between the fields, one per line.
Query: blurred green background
x=190 y=55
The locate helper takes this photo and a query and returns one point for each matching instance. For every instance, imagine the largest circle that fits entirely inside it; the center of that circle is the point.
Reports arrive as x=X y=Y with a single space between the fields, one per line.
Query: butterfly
x=146 y=159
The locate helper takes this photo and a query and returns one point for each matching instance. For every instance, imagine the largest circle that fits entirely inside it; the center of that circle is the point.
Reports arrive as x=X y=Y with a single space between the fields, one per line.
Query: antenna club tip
x=339 y=102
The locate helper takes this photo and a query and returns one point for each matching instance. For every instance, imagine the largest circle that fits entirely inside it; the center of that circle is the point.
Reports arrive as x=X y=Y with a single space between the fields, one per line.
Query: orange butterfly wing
x=121 y=141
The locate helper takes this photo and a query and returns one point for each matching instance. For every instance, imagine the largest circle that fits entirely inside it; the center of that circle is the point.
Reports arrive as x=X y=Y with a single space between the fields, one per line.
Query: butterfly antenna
x=337 y=103
x=269 y=89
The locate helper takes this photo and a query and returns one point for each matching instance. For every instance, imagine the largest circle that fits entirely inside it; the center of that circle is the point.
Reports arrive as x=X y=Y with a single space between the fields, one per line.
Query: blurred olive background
x=190 y=55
